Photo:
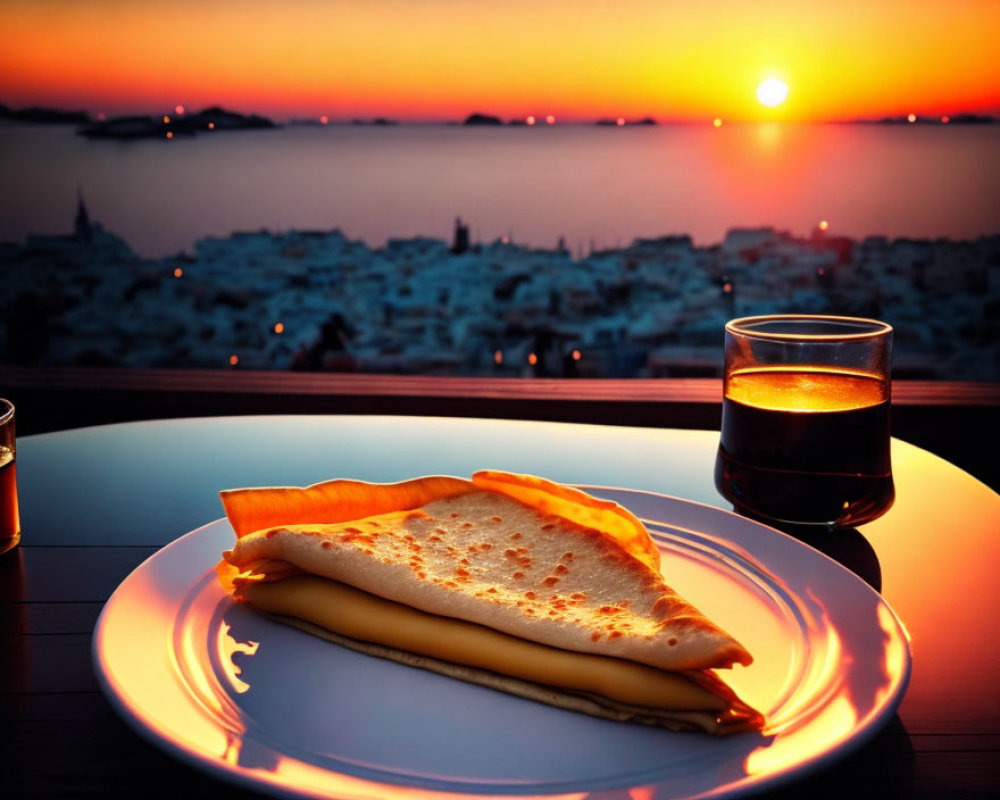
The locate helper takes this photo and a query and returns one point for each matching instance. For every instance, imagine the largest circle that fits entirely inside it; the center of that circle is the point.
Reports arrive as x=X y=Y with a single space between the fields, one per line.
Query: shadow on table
x=847 y=546
x=13 y=628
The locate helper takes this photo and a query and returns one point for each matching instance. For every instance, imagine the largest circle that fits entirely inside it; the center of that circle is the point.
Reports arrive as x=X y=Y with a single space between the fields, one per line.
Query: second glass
x=805 y=419
x=10 y=528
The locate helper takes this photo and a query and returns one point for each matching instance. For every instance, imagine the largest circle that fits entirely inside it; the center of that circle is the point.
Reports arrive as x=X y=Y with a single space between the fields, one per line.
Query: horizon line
x=540 y=120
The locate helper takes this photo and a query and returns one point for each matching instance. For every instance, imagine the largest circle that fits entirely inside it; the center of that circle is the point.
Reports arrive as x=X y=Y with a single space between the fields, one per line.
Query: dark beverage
x=806 y=445
x=10 y=529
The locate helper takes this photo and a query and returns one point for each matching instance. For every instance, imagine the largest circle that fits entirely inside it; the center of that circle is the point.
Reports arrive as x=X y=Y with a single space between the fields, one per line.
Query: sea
x=593 y=187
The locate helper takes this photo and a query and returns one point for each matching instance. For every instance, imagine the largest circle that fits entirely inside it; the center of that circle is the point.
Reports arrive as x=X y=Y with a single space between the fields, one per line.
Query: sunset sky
x=441 y=59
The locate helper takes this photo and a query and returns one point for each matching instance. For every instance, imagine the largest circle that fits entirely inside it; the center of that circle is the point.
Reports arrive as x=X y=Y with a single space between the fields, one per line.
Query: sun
x=772 y=92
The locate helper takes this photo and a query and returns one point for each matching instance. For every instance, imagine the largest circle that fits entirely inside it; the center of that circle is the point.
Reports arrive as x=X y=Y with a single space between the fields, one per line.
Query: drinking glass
x=805 y=419
x=10 y=528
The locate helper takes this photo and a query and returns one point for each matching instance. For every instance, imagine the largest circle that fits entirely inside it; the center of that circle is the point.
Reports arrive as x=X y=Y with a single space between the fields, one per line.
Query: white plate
x=278 y=710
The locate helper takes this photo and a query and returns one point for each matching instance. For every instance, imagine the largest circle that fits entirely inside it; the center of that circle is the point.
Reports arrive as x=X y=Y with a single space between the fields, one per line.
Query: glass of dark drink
x=10 y=528
x=805 y=420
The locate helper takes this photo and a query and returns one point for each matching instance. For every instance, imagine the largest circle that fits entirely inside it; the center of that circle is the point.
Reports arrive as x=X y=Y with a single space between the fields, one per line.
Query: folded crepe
x=506 y=581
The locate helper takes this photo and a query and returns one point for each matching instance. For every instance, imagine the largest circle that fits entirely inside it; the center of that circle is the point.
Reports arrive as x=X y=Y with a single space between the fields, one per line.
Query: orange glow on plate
x=228 y=646
x=190 y=651
x=824 y=679
x=823 y=710
x=831 y=725
x=895 y=650
x=201 y=732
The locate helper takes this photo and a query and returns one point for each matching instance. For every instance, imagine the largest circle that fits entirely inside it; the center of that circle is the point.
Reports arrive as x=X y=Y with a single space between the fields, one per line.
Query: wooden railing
x=953 y=419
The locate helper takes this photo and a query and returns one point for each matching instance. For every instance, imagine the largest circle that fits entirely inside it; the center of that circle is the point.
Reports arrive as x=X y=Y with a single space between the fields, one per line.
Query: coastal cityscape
x=452 y=189
x=318 y=300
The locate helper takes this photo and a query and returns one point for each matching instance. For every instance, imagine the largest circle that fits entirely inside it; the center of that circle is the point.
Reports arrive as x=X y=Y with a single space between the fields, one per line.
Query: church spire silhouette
x=81 y=226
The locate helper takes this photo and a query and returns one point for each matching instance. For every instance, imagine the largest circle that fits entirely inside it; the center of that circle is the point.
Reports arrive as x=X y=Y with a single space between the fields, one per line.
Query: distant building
x=740 y=240
x=461 y=241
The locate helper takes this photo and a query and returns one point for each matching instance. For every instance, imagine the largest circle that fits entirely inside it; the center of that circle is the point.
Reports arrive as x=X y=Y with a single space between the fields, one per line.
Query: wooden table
x=96 y=502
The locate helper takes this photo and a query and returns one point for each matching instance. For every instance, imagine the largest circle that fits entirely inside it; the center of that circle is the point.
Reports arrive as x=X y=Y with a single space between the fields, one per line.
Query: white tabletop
x=150 y=482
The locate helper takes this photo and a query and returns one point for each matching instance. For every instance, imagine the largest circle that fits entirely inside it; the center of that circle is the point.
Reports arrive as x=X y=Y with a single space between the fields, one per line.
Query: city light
x=823 y=224
x=279 y=327
x=170 y=134
x=532 y=359
x=911 y=118
x=550 y=120
x=498 y=357
x=178 y=272
x=234 y=360
x=717 y=122
x=179 y=110
x=620 y=121
x=530 y=120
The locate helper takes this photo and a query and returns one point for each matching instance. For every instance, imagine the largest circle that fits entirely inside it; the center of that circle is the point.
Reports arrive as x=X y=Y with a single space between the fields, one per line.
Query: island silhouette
x=216 y=118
